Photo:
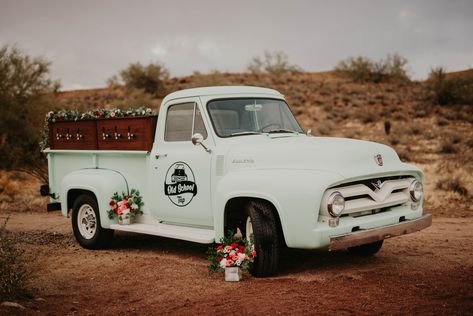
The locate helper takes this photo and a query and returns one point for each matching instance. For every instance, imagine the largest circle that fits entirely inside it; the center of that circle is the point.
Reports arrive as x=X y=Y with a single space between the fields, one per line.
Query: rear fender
x=102 y=183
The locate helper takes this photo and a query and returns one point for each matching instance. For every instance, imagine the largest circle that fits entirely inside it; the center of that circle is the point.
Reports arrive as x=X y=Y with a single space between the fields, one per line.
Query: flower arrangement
x=125 y=206
x=232 y=252
x=74 y=115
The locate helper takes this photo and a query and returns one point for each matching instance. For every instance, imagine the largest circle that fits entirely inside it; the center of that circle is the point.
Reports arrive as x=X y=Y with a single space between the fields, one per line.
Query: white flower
x=112 y=114
x=134 y=206
x=223 y=263
x=241 y=257
x=148 y=110
x=238 y=262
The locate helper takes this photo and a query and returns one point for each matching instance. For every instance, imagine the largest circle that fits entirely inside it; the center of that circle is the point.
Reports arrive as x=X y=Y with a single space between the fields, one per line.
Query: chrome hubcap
x=249 y=232
x=86 y=221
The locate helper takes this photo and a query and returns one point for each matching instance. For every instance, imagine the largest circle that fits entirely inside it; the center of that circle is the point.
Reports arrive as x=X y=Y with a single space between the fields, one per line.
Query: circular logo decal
x=179 y=185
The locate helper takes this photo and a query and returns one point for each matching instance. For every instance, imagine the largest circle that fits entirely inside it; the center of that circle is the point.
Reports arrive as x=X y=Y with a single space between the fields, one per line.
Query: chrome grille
x=371 y=196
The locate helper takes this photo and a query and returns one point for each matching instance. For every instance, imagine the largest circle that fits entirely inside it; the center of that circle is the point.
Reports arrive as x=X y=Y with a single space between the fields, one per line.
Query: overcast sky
x=89 y=41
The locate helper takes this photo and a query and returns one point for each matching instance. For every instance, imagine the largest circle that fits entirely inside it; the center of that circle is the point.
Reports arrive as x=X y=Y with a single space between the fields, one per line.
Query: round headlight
x=335 y=204
x=416 y=190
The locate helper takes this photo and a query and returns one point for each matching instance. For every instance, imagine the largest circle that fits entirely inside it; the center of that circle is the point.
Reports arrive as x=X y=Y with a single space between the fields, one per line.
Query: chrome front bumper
x=362 y=237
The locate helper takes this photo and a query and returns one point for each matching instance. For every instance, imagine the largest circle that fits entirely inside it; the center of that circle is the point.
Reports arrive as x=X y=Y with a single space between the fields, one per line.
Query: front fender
x=101 y=182
x=295 y=194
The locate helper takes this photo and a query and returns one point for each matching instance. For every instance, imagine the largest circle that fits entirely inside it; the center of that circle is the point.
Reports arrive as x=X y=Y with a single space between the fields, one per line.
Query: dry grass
x=20 y=192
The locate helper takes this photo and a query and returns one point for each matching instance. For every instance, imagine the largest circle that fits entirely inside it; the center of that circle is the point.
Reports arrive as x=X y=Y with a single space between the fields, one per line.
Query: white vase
x=124 y=220
x=233 y=274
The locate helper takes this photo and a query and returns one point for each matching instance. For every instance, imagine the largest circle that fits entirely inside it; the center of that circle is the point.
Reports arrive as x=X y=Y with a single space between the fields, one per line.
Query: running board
x=199 y=235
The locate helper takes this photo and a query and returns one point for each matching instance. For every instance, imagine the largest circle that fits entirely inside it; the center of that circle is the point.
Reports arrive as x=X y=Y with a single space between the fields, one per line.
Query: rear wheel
x=86 y=224
x=262 y=224
x=367 y=249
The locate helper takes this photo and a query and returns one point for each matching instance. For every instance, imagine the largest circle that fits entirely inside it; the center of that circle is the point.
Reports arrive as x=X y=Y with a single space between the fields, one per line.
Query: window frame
x=243 y=98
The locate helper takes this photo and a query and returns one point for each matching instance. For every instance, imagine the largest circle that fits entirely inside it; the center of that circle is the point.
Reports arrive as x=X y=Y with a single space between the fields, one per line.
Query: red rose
x=241 y=248
x=219 y=259
x=112 y=202
x=234 y=245
x=220 y=247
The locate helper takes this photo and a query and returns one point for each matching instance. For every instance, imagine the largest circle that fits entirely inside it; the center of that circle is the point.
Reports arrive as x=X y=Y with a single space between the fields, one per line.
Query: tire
x=86 y=224
x=367 y=249
x=262 y=222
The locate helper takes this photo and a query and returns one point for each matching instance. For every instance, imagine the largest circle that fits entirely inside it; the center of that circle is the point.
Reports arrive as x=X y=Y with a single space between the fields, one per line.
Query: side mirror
x=197 y=139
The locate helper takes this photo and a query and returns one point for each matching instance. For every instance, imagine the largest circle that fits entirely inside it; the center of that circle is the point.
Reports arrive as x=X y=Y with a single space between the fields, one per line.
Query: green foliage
x=148 y=78
x=273 y=63
x=13 y=270
x=363 y=69
x=24 y=89
x=453 y=90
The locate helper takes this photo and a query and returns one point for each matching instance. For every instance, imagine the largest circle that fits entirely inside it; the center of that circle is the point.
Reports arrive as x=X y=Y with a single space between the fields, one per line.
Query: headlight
x=335 y=204
x=416 y=189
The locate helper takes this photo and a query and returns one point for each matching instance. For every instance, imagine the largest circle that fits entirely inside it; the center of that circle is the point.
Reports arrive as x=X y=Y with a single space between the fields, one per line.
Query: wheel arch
x=235 y=213
x=99 y=183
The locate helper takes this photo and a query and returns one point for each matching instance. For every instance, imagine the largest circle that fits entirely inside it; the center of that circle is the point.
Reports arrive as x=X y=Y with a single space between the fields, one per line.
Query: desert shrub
x=13 y=269
x=453 y=184
x=273 y=63
x=363 y=69
x=214 y=78
x=150 y=78
x=444 y=90
x=25 y=98
x=447 y=147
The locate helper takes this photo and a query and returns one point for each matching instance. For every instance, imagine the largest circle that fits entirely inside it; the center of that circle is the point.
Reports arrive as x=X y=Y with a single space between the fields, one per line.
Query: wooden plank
x=126 y=133
x=73 y=135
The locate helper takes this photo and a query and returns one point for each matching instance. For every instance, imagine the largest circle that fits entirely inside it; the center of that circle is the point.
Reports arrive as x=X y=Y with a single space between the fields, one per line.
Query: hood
x=346 y=157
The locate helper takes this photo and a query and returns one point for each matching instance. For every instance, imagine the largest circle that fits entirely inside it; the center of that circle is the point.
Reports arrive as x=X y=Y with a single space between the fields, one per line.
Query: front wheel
x=367 y=249
x=86 y=224
x=262 y=224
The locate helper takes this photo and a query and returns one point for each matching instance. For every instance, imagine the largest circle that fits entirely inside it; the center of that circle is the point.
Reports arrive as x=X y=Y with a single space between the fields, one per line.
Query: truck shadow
x=291 y=260
x=296 y=260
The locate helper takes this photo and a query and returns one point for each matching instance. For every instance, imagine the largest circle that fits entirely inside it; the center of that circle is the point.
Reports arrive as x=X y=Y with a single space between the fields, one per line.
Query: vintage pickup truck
x=235 y=159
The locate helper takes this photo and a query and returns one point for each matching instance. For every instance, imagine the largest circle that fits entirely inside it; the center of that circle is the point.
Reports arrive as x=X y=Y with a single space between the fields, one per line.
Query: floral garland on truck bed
x=74 y=115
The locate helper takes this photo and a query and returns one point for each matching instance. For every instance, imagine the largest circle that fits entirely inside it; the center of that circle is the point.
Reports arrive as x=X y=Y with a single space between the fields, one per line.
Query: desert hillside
x=439 y=139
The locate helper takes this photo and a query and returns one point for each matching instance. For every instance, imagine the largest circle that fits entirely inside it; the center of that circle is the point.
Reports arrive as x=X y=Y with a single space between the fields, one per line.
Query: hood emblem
x=379 y=159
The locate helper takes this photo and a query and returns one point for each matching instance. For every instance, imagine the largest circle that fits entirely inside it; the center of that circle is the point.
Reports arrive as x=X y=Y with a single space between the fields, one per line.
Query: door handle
x=160 y=156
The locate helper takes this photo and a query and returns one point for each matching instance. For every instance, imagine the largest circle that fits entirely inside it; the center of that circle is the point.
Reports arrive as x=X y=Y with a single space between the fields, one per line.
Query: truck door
x=181 y=171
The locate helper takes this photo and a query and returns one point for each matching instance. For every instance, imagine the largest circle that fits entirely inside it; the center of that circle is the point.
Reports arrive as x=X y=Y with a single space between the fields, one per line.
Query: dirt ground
x=429 y=272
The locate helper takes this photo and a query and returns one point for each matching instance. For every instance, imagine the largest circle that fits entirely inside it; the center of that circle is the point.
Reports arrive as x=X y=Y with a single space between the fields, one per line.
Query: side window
x=180 y=124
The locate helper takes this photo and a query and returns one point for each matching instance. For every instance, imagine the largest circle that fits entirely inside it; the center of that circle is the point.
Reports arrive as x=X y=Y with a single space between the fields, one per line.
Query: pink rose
x=112 y=114
x=148 y=110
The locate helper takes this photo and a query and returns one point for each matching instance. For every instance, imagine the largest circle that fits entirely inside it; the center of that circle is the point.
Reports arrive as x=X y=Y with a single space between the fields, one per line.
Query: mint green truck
x=235 y=159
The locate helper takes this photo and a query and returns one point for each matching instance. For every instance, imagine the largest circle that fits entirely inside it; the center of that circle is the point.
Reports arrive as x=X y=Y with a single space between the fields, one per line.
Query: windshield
x=233 y=117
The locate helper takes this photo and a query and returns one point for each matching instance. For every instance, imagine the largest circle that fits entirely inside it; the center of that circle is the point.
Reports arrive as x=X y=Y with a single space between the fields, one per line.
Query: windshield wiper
x=281 y=130
x=245 y=133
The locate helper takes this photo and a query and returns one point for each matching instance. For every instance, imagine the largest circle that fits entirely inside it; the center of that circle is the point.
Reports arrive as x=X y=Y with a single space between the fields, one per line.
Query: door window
x=182 y=121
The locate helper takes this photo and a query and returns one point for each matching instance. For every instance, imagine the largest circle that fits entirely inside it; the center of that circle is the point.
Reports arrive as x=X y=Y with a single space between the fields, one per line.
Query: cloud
x=159 y=51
